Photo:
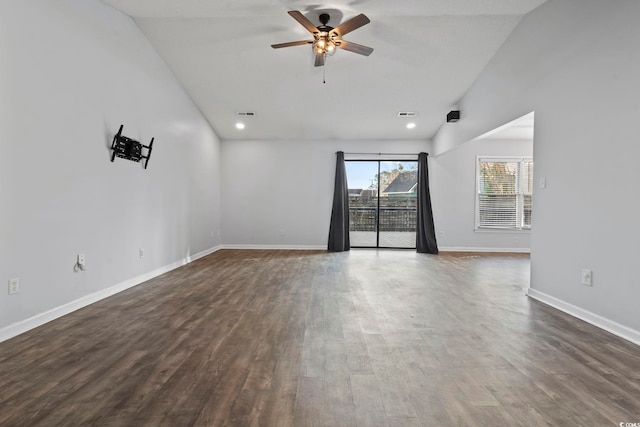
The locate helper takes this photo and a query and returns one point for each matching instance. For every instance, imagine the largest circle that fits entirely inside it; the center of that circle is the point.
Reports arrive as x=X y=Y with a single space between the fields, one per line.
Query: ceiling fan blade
x=352 y=24
x=298 y=16
x=354 y=47
x=319 y=60
x=298 y=43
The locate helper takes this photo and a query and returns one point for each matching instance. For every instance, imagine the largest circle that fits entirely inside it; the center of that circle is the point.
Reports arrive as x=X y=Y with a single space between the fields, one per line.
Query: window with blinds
x=504 y=190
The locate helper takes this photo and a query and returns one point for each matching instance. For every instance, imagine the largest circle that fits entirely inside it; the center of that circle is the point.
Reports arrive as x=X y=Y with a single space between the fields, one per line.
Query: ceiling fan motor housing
x=324 y=18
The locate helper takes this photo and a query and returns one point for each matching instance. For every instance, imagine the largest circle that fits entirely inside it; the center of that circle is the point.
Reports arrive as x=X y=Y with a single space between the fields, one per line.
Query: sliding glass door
x=382 y=203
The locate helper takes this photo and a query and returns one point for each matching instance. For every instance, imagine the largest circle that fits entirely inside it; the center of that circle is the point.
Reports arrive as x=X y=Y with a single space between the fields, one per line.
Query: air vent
x=407 y=114
x=246 y=113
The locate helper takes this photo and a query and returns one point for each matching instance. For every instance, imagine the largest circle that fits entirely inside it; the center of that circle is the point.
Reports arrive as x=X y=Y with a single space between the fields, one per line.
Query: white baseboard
x=191 y=258
x=324 y=247
x=278 y=247
x=40 y=319
x=500 y=250
x=589 y=317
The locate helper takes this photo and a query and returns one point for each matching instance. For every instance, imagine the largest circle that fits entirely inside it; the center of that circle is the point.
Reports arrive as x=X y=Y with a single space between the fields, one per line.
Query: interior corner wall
x=279 y=193
x=576 y=63
x=72 y=72
x=453 y=194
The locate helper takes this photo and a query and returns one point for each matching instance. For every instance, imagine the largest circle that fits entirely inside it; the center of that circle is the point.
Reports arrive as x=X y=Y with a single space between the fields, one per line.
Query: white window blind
x=504 y=193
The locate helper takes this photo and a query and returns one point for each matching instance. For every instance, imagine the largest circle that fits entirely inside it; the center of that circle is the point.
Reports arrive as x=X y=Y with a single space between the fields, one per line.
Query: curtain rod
x=385 y=154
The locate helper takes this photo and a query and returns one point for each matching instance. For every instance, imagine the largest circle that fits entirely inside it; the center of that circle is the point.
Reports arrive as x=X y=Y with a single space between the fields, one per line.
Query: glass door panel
x=398 y=184
x=363 y=203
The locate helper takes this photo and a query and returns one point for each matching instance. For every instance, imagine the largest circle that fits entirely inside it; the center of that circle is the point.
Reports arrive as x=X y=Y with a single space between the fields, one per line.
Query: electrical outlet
x=587 y=277
x=282 y=233
x=14 y=285
x=141 y=252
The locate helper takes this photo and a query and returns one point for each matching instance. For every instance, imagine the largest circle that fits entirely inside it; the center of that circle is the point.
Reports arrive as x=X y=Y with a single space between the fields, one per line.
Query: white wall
x=72 y=72
x=453 y=191
x=576 y=63
x=269 y=186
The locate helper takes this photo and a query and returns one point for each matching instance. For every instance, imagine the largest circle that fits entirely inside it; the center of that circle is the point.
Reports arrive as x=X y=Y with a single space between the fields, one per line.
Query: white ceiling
x=427 y=53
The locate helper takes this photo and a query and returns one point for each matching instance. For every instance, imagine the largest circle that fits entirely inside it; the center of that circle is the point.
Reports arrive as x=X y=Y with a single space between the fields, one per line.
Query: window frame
x=520 y=194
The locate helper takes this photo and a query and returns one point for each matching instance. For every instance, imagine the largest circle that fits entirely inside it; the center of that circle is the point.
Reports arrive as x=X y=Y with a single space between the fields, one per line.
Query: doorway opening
x=382 y=203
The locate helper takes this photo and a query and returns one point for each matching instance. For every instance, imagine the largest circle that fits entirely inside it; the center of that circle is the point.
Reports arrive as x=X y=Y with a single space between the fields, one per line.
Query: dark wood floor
x=287 y=338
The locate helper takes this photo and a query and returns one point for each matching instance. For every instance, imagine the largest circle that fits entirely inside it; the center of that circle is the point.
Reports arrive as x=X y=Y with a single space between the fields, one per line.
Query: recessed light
x=239 y=125
x=411 y=125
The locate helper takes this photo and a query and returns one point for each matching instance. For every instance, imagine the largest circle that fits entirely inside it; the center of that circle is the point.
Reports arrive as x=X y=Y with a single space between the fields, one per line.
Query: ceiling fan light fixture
x=318 y=47
x=323 y=44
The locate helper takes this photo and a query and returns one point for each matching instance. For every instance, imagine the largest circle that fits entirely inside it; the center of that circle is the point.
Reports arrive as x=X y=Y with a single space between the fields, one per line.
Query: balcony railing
x=391 y=218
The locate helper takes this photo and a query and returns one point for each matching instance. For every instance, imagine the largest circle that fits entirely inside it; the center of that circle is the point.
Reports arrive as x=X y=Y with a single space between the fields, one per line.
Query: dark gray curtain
x=425 y=231
x=339 y=227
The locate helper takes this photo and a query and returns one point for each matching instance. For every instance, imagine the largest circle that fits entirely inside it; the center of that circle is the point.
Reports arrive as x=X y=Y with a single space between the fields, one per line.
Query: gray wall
x=453 y=194
x=292 y=182
x=576 y=63
x=273 y=186
x=72 y=72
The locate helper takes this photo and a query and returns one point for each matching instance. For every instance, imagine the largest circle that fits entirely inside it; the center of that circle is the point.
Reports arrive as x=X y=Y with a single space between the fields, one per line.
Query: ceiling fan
x=326 y=39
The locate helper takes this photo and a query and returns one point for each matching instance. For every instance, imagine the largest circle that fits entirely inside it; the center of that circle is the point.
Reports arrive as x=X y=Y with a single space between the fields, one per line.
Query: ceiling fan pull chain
x=324 y=67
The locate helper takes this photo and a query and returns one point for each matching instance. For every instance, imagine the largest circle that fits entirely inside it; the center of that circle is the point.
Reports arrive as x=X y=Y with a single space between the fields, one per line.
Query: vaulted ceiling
x=427 y=53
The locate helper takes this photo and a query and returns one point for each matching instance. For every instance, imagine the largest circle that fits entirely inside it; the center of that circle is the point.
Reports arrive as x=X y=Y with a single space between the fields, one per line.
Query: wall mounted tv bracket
x=127 y=148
